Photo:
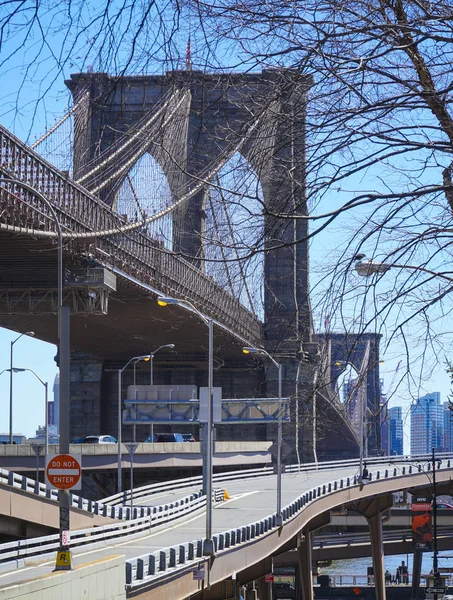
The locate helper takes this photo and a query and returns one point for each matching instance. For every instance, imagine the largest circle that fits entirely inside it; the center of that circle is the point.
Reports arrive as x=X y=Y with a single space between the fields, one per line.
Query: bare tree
x=379 y=130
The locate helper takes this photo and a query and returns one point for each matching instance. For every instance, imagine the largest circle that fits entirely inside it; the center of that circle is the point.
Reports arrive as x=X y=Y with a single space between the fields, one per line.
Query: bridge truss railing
x=184 y=557
x=81 y=214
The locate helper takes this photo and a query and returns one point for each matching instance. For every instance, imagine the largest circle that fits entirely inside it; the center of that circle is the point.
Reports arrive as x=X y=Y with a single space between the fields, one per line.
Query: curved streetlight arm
x=30 y=333
x=370 y=268
x=250 y=350
x=151 y=378
x=160 y=348
x=47 y=202
x=46 y=420
x=163 y=301
x=135 y=359
x=22 y=369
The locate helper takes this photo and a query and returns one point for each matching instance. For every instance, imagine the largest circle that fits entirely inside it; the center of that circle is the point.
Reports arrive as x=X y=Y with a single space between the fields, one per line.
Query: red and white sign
x=64 y=472
x=65 y=538
x=269 y=578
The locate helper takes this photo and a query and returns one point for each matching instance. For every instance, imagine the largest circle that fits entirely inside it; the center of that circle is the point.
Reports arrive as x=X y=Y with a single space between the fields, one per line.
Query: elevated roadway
x=252 y=501
x=19 y=458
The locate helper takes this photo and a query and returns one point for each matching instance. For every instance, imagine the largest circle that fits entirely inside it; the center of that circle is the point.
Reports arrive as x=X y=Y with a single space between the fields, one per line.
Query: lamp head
x=18 y=370
x=30 y=333
x=162 y=301
x=249 y=350
x=169 y=346
x=145 y=357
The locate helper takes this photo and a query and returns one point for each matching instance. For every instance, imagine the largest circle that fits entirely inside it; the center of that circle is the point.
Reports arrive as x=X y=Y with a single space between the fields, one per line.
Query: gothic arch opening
x=143 y=192
x=233 y=233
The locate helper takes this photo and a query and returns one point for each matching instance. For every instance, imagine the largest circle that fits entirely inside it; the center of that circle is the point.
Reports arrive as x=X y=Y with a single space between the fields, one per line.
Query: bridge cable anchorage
x=203 y=180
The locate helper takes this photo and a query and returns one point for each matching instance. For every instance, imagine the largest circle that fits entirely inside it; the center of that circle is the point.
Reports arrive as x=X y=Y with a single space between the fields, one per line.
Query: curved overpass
x=246 y=538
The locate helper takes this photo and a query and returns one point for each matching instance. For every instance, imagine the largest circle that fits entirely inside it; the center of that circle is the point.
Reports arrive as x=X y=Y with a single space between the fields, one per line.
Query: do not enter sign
x=63 y=471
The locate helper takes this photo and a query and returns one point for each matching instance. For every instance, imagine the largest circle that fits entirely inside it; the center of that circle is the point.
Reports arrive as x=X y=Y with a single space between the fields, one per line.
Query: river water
x=358 y=566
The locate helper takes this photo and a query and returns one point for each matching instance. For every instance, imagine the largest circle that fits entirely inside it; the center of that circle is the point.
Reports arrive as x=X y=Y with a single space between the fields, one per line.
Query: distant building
x=385 y=425
x=427 y=424
x=40 y=436
x=396 y=430
x=448 y=427
x=350 y=394
x=18 y=438
x=53 y=415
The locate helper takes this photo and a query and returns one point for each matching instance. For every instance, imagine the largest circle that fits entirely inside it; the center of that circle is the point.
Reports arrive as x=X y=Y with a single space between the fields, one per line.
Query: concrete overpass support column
x=372 y=509
x=263 y=589
x=416 y=572
x=304 y=552
x=377 y=552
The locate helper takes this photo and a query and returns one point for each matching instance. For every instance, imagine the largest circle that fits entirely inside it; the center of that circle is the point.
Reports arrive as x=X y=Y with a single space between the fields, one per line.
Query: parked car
x=148 y=439
x=283 y=590
x=78 y=440
x=99 y=439
x=170 y=437
x=188 y=437
x=444 y=505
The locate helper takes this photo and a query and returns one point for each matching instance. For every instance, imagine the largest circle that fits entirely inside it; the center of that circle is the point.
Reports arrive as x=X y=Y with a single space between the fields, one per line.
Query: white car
x=99 y=439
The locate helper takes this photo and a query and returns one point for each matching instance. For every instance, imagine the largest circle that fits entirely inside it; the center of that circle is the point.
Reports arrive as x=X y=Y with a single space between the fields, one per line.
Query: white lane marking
x=238 y=497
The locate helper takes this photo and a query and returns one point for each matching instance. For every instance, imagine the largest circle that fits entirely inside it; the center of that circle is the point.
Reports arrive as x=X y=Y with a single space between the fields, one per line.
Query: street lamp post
x=434 y=505
x=63 y=351
x=64 y=356
x=151 y=359
x=250 y=350
x=30 y=334
x=151 y=376
x=46 y=422
x=208 y=547
x=134 y=359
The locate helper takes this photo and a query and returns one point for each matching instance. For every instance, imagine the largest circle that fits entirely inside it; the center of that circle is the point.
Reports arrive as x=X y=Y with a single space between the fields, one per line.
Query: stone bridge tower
x=205 y=114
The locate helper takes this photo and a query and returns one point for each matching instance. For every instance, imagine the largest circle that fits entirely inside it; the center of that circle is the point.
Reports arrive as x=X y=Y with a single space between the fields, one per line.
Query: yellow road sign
x=63 y=560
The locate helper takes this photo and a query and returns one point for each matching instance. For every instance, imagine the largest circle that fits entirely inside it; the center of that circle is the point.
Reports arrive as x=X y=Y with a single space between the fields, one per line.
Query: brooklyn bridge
x=191 y=186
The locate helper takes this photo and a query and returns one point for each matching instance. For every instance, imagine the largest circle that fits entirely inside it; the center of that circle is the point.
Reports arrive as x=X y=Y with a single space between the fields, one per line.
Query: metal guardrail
x=110 y=506
x=363 y=537
x=220 y=478
x=151 y=567
x=39 y=489
x=149 y=517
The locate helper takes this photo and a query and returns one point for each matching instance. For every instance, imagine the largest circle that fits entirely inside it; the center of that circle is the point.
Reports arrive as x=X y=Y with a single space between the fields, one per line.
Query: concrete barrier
x=98 y=580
